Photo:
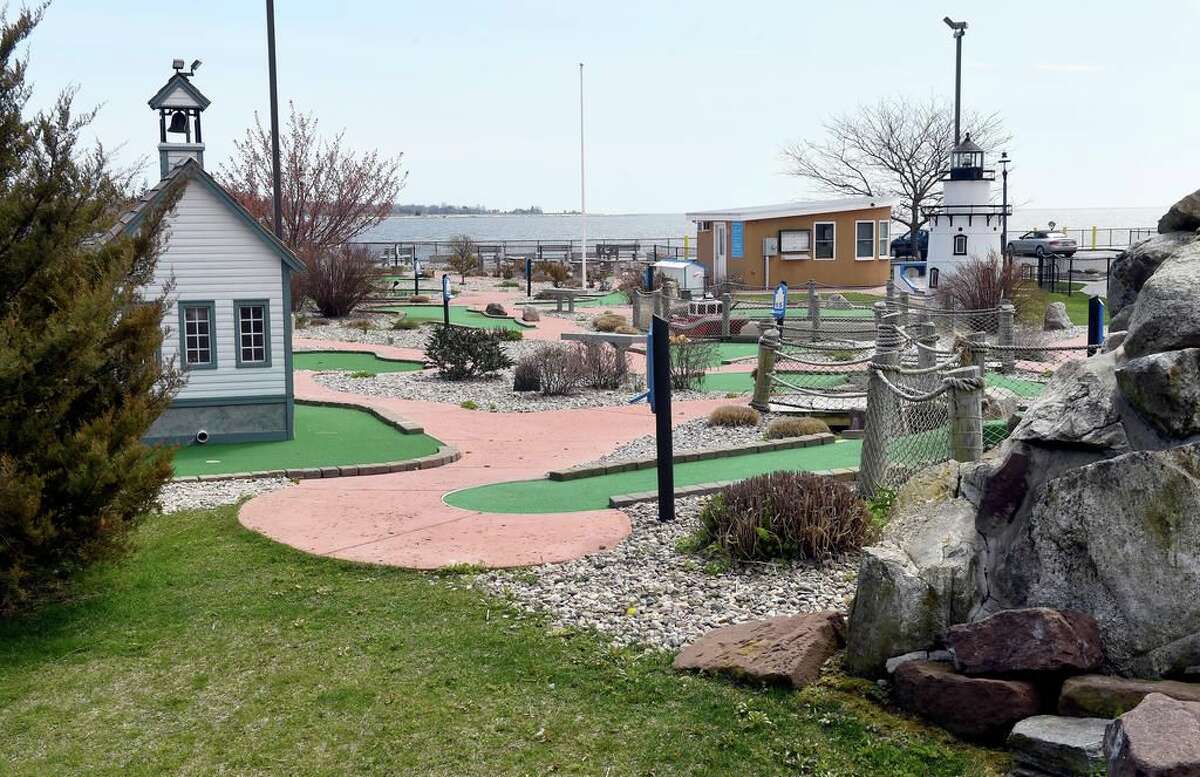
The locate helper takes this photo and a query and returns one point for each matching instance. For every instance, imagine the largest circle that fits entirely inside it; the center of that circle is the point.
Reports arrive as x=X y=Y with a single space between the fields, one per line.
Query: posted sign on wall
x=738 y=238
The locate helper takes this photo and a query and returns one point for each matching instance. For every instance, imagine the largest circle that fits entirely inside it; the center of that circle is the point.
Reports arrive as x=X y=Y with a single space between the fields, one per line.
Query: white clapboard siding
x=213 y=255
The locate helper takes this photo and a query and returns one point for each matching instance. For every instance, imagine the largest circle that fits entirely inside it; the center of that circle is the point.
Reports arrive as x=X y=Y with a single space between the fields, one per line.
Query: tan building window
x=824 y=240
x=795 y=241
x=864 y=240
x=884 y=234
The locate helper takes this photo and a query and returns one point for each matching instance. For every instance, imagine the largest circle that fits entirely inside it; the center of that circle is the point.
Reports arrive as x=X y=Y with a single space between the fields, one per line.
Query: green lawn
x=325 y=437
x=212 y=650
x=553 y=496
x=458 y=315
x=350 y=361
x=1077 y=305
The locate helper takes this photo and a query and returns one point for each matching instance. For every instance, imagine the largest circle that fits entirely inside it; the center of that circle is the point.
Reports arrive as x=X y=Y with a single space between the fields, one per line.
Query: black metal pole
x=529 y=277
x=275 y=171
x=1004 y=217
x=958 y=36
x=446 y=309
x=659 y=331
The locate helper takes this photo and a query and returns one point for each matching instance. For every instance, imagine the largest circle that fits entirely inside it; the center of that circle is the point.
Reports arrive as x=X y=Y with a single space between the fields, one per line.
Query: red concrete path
x=400 y=519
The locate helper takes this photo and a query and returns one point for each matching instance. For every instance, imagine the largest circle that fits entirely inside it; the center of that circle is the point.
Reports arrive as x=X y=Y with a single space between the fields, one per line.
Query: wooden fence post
x=1006 y=336
x=966 y=420
x=767 y=343
x=872 y=465
x=726 y=309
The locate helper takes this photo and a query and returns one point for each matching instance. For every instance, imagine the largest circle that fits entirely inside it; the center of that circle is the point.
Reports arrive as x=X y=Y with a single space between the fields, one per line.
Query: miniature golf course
x=592 y=493
x=743 y=382
x=458 y=315
x=325 y=437
x=350 y=361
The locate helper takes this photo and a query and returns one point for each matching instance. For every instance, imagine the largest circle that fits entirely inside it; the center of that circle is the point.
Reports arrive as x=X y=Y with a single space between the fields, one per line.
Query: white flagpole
x=582 y=188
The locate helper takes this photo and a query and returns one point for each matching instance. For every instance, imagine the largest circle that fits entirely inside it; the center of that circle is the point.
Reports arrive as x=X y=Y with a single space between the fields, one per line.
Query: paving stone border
x=446 y=454
x=845 y=474
x=765 y=446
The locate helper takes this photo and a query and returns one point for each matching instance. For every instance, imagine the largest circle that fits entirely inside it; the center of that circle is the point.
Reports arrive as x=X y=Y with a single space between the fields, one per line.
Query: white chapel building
x=967 y=224
x=229 y=323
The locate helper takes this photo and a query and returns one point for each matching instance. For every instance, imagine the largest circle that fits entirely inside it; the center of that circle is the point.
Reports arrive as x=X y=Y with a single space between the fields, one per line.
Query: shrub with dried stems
x=527 y=375
x=340 y=279
x=795 y=427
x=603 y=367
x=557 y=272
x=980 y=284
x=609 y=321
x=690 y=360
x=734 y=415
x=784 y=515
x=561 y=369
x=463 y=257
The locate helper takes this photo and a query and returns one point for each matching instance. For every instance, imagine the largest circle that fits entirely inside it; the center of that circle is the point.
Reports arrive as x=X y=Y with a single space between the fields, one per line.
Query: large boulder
x=1035 y=639
x=1165 y=388
x=983 y=709
x=1051 y=746
x=495 y=309
x=1158 y=738
x=1166 y=316
x=1182 y=216
x=1105 y=696
x=1077 y=409
x=789 y=649
x=1056 y=318
x=1134 y=266
x=918 y=580
x=1116 y=539
x=530 y=314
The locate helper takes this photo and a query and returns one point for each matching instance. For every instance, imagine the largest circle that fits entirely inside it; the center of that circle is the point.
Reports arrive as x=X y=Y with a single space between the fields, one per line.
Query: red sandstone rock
x=1036 y=639
x=977 y=708
x=789 y=649
x=1158 y=738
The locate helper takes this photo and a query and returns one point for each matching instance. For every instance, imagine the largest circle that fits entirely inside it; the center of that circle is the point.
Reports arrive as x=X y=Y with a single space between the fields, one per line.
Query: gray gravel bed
x=644 y=591
x=690 y=435
x=202 y=496
x=491 y=394
x=381 y=333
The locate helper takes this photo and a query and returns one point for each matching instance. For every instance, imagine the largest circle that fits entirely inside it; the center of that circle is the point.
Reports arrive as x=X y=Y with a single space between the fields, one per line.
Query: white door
x=719 y=250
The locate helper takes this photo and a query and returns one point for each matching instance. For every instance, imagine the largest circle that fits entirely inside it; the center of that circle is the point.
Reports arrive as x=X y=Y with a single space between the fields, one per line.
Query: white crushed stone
x=204 y=495
x=644 y=591
x=690 y=435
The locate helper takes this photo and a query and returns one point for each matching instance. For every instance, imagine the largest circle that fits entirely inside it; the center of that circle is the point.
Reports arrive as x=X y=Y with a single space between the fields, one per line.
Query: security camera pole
x=960 y=29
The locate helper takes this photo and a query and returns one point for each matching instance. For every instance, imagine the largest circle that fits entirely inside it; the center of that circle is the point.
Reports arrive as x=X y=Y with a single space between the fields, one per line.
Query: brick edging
x=846 y=474
x=446 y=454
x=766 y=446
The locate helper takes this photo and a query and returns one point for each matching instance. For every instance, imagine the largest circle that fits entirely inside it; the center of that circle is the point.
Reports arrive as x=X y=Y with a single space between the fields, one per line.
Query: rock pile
x=1071 y=549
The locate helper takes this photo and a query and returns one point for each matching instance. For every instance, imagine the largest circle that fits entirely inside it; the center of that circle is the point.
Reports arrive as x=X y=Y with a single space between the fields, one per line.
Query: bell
x=179 y=122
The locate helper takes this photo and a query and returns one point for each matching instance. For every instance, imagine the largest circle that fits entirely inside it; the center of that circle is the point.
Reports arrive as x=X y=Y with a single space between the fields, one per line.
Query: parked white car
x=1040 y=242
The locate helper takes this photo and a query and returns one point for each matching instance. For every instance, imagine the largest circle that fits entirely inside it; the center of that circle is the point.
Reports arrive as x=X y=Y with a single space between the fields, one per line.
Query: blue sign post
x=779 y=302
x=446 y=298
x=738 y=239
x=1095 y=329
x=529 y=276
x=416 y=274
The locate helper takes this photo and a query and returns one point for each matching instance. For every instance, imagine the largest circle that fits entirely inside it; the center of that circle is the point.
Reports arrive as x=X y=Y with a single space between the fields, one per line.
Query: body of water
x=564 y=227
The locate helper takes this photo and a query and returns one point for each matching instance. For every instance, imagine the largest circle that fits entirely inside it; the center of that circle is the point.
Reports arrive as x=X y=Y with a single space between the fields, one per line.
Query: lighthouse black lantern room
x=966 y=161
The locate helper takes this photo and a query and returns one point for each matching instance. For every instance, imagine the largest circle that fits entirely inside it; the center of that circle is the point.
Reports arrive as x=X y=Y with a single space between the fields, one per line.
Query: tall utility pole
x=960 y=29
x=275 y=172
x=582 y=187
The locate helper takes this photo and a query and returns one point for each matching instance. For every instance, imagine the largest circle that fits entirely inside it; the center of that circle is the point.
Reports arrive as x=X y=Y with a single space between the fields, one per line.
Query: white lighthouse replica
x=966 y=225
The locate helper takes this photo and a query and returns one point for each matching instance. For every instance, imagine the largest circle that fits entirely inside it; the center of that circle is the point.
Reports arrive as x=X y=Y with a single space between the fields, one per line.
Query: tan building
x=834 y=242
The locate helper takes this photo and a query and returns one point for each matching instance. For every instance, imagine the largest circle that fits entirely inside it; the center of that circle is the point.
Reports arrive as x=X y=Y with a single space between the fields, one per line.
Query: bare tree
x=330 y=195
x=462 y=255
x=895 y=148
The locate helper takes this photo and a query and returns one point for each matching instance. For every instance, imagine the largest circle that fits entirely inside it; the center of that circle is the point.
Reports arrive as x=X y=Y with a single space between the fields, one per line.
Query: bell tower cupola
x=179 y=104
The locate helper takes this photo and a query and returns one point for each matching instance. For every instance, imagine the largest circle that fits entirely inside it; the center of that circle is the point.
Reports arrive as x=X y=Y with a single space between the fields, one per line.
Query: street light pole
x=582 y=188
x=960 y=29
x=1004 y=160
x=275 y=173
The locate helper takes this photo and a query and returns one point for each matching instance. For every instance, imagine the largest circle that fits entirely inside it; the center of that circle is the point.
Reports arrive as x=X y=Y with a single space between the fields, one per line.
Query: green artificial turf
x=554 y=496
x=350 y=361
x=458 y=315
x=209 y=649
x=743 y=382
x=1026 y=389
x=325 y=437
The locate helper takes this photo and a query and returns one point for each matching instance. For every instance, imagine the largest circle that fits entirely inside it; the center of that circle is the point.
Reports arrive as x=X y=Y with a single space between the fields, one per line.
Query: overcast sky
x=688 y=105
